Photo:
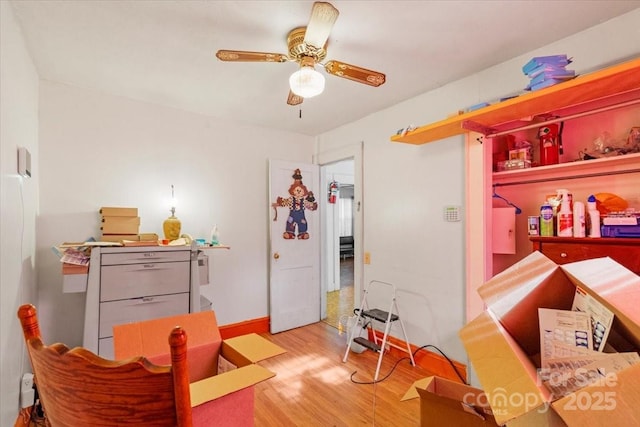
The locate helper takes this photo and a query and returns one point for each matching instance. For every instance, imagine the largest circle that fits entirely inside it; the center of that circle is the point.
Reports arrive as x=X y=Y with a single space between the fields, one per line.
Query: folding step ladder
x=386 y=317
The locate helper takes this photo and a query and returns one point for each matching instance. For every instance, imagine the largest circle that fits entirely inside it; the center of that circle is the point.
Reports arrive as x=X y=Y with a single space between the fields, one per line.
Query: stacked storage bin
x=545 y=71
x=119 y=224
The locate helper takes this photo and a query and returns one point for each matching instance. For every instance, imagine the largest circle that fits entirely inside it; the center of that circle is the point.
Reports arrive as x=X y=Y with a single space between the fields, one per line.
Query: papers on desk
x=78 y=253
x=75 y=257
x=88 y=244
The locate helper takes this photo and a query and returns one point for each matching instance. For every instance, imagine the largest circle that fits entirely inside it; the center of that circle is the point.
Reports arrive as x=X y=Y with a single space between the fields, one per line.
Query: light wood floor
x=340 y=302
x=312 y=386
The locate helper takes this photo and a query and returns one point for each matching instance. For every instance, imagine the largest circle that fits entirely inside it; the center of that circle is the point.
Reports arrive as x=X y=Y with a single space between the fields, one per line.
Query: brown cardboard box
x=112 y=211
x=120 y=225
x=119 y=237
x=148 y=237
x=503 y=342
x=448 y=403
x=231 y=390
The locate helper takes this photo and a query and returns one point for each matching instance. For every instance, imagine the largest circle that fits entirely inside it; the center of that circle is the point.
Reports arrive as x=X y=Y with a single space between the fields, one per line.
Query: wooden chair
x=78 y=388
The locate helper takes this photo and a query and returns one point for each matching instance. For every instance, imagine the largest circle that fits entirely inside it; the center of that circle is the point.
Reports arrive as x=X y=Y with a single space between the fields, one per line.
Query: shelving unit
x=628 y=163
x=585 y=103
x=606 y=100
x=600 y=89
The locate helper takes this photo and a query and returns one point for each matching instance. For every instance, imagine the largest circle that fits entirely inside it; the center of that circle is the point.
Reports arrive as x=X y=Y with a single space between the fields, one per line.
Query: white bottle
x=565 y=216
x=578 y=220
x=594 y=217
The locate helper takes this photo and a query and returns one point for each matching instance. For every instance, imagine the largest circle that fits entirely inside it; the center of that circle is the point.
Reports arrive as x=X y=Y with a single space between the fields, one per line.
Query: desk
x=131 y=284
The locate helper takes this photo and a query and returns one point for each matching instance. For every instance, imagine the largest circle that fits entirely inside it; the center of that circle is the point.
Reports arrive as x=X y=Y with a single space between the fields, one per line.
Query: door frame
x=351 y=152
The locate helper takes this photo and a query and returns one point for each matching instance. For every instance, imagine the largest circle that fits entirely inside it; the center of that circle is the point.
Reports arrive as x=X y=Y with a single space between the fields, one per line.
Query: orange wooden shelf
x=577 y=93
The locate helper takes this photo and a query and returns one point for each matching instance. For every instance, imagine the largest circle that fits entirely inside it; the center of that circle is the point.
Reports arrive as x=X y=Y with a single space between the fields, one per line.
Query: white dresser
x=130 y=284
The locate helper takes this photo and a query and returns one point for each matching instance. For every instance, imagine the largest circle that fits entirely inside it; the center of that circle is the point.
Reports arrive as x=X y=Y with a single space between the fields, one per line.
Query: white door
x=294 y=285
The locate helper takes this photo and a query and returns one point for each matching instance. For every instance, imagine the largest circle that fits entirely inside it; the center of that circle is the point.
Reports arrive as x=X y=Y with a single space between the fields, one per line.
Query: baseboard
x=432 y=362
x=258 y=326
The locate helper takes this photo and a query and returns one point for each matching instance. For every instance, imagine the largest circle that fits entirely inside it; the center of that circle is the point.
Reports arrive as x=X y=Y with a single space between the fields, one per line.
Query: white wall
x=406 y=187
x=19 y=204
x=405 y=190
x=102 y=150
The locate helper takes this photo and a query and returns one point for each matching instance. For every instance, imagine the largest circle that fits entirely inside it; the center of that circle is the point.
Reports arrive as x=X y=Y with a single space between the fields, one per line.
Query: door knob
x=276 y=256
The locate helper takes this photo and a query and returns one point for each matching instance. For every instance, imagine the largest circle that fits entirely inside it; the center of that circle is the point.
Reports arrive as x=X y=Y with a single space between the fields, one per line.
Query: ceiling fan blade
x=244 y=56
x=357 y=74
x=323 y=16
x=294 y=99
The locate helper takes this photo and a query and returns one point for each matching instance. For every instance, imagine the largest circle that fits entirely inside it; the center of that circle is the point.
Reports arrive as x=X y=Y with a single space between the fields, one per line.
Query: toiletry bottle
x=594 y=217
x=546 y=220
x=215 y=236
x=578 y=220
x=565 y=216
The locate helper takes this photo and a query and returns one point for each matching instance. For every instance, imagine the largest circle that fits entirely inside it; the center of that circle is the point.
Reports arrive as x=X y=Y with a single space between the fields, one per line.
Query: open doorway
x=339 y=237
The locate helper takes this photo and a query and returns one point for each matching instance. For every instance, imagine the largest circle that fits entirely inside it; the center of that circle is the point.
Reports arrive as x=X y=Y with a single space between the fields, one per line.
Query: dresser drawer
x=145 y=257
x=138 y=280
x=139 y=309
x=563 y=253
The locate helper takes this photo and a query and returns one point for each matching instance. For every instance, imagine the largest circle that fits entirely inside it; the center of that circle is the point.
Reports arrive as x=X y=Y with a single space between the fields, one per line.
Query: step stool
x=378 y=315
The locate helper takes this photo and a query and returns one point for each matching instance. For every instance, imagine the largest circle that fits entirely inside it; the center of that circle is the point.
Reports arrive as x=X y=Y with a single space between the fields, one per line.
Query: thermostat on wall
x=24 y=162
x=452 y=213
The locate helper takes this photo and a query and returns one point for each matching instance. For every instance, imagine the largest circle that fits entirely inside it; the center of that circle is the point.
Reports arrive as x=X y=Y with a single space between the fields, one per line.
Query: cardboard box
x=224 y=398
x=503 y=343
x=119 y=237
x=521 y=154
x=112 y=211
x=448 y=403
x=148 y=237
x=120 y=225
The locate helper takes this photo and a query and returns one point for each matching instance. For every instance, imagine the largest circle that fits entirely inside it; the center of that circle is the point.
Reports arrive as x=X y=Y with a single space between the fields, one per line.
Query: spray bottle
x=594 y=217
x=578 y=220
x=565 y=215
x=215 y=236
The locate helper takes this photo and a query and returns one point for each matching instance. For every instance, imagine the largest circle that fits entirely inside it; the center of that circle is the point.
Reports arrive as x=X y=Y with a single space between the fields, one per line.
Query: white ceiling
x=163 y=51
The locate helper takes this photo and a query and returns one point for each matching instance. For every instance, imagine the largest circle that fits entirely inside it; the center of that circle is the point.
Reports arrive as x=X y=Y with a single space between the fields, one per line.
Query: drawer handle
x=563 y=254
x=149 y=266
x=147 y=299
x=148 y=254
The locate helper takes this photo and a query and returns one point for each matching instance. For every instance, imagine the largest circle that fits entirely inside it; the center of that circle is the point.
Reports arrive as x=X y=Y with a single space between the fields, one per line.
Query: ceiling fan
x=307 y=46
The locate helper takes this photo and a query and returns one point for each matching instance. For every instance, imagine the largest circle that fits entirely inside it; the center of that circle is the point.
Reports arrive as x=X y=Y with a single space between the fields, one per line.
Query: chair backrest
x=78 y=388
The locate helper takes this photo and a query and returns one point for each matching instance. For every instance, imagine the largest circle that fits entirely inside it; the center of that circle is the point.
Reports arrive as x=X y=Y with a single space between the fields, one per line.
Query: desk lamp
x=171 y=225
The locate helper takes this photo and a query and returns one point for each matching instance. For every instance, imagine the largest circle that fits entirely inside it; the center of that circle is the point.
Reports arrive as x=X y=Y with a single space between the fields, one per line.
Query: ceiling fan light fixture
x=306 y=82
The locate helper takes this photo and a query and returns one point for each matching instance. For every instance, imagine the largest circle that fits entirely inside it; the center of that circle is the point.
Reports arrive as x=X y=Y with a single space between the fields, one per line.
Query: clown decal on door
x=300 y=199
